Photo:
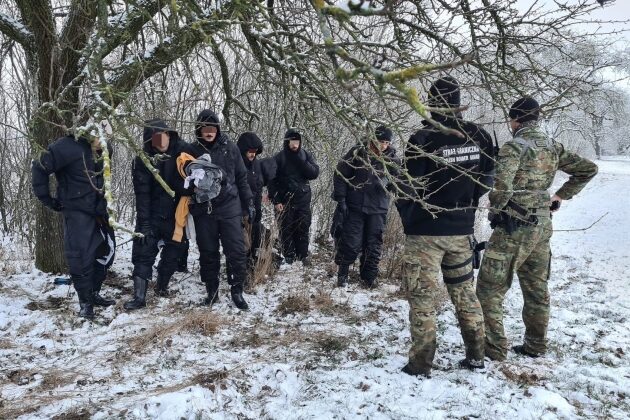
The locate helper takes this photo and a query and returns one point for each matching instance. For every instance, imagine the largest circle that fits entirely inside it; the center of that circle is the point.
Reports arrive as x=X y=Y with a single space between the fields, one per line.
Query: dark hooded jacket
x=294 y=170
x=450 y=190
x=153 y=203
x=259 y=171
x=79 y=176
x=361 y=182
x=235 y=192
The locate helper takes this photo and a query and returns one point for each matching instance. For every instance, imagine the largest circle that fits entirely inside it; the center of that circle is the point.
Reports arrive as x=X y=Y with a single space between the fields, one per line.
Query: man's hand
x=555 y=203
x=251 y=211
x=279 y=207
x=343 y=207
x=55 y=204
x=146 y=231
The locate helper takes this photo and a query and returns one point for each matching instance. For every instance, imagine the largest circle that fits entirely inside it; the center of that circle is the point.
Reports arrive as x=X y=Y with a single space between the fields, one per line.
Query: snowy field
x=307 y=350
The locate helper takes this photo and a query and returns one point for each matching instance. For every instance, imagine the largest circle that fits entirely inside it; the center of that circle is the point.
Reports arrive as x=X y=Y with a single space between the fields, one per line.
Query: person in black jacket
x=290 y=193
x=451 y=168
x=259 y=173
x=359 y=188
x=88 y=239
x=155 y=211
x=221 y=218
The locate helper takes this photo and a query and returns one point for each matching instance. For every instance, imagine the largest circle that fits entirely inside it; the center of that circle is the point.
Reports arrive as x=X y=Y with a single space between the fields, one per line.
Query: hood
x=249 y=140
x=153 y=126
x=207 y=117
x=292 y=134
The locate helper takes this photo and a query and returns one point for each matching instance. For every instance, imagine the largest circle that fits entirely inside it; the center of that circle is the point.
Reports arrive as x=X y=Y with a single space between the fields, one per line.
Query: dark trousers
x=229 y=232
x=83 y=242
x=295 y=222
x=143 y=253
x=362 y=234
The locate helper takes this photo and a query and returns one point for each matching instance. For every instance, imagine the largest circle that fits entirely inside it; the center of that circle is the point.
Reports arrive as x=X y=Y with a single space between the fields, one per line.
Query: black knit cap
x=444 y=93
x=292 y=134
x=383 y=133
x=525 y=109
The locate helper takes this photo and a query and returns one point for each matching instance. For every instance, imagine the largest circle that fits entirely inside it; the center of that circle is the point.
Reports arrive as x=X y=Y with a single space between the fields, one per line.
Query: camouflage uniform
x=423 y=257
x=526 y=167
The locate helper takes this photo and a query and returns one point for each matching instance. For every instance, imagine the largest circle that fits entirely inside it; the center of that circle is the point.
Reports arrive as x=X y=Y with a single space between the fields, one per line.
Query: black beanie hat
x=383 y=133
x=292 y=134
x=525 y=109
x=444 y=93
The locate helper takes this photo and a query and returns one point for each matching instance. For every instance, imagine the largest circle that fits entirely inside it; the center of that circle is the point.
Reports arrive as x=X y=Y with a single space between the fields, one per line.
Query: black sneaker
x=471 y=364
x=521 y=350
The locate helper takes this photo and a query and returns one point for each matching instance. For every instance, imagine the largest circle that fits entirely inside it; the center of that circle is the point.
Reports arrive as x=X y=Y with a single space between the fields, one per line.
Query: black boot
x=342 y=275
x=213 y=293
x=412 y=370
x=237 y=297
x=161 y=286
x=139 y=294
x=97 y=299
x=85 y=304
x=521 y=350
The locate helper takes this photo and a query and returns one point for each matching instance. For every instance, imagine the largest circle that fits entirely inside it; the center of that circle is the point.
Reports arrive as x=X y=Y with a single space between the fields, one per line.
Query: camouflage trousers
x=527 y=252
x=423 y=257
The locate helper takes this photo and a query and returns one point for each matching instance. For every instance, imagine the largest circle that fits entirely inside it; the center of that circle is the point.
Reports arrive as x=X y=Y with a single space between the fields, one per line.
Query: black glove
x=301 y=154
x=555 y=205
x=343 y=207
x=198 y=209
x=52 y=203
x=251 y=211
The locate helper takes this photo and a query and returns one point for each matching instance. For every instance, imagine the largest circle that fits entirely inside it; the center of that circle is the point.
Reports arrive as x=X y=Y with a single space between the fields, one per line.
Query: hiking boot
x=411 y=370
x=471 y=364
x=521 y=350
x=342 y=281
x=306 y=262
x=237 y=297
x=139 y=294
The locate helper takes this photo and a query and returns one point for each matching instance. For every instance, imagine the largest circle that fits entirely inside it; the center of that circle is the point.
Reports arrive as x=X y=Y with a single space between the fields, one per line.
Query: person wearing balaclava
x=89 y=243
x=290 y=192
x=451 y=168
x=360 y=185
x=219 y=222
x=155 y=211
x=520 y=214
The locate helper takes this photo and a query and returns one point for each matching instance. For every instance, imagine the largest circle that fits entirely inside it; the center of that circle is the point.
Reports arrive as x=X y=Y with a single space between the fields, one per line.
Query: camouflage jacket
x=526 y=166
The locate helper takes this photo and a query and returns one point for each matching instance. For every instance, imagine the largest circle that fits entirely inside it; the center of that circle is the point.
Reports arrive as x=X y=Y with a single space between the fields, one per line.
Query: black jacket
x=294 y=170
x=153 y=203
x=360 y=180
x=449 y=192
x=235 y=192
x=79 y=176
x=259 y=171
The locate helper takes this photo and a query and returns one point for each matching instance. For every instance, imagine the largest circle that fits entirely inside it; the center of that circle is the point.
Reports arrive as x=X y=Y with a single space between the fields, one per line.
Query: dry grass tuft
x=55 y=378
x=519 y=376
x=205 y=323
x=74 y=414
x=330 y=343
x=51 y=302
x=294 y=303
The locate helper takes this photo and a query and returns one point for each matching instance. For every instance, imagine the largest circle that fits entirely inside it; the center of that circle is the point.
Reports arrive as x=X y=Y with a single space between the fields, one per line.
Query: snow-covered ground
x=307 y=350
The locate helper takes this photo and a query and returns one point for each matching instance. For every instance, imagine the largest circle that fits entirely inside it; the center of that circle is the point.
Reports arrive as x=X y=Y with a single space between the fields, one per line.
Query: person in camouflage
x=521 y=217
x=451 y=171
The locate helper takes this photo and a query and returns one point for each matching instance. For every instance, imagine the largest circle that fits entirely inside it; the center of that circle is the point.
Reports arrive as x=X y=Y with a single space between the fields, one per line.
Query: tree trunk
x=49 y=255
